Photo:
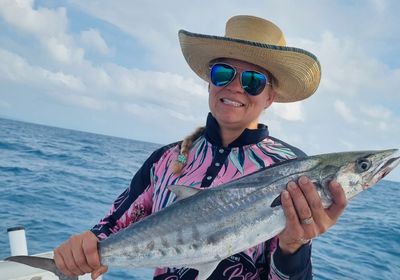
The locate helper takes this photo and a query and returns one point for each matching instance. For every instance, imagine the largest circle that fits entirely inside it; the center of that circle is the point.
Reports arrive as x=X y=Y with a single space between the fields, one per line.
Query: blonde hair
x=185 y=146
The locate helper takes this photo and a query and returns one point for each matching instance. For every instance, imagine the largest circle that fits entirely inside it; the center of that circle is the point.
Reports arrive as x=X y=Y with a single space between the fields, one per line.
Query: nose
x=236 y=85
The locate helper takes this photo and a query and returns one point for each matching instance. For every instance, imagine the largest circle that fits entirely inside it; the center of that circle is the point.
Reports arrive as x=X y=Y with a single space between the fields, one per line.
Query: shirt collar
x=249 y=136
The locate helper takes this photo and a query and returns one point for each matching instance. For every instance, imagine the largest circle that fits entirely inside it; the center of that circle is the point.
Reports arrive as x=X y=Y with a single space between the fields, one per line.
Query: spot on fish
x=277 y=201
x=178 y=250
x=164 y=242
x=195 y=233
x=213 y=238
x=150 y=245
x=218 y=236
x=162 y=252
x=179 y=237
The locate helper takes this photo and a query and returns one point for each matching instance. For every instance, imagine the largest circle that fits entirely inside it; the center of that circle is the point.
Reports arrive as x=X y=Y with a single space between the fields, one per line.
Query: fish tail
x=42 y=263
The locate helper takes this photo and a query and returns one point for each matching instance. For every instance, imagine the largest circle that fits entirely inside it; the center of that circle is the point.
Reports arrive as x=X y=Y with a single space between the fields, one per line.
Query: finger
x=89 y=246
x=312 y=197
x=70 y=261
x=101 y=270
x=299 y=201
x=58 y=259
x=79 y=257
x=339 y=200
x=292 y=219
x=78 y=253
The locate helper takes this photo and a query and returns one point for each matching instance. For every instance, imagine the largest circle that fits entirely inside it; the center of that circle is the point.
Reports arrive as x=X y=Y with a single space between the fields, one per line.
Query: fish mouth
x=390 y=159
x=389 y=166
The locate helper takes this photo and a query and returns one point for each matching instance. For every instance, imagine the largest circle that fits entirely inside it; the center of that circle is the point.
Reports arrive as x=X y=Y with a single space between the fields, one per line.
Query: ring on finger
x=307 y=221
x=302 y=240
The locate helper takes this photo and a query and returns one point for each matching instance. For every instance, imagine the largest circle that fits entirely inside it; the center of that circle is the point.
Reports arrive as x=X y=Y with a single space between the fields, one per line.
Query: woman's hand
x=79 y=255
x=305 y=216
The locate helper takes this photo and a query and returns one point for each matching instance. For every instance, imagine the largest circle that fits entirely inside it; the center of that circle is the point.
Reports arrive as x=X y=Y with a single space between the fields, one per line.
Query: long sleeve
x=134 y=203
x=296 y=266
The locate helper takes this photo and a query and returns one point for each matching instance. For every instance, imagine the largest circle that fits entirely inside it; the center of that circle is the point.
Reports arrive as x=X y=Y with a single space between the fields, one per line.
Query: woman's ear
x=270 y=98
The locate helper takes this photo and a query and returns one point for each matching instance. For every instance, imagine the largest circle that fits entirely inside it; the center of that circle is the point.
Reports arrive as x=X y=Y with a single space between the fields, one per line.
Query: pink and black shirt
x=209 y=164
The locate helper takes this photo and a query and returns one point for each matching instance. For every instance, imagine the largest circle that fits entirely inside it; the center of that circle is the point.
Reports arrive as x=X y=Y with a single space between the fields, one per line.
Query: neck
x=230 y=134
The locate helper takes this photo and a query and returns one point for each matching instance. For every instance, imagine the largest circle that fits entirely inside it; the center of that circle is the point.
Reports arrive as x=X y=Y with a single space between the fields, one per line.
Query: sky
x=116 y=68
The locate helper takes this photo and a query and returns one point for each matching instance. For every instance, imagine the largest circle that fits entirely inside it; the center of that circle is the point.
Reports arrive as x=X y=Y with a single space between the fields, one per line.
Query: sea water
x=58 y=182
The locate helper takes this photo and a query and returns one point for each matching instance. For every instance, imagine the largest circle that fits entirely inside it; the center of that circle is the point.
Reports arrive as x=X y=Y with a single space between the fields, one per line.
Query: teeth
x=230 y=102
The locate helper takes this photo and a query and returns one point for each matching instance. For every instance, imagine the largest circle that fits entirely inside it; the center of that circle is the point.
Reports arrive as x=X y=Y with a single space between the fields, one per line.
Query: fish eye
x=363 y=165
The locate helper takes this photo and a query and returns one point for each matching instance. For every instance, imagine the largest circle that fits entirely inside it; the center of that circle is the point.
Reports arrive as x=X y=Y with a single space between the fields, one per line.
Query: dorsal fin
x=182 y=192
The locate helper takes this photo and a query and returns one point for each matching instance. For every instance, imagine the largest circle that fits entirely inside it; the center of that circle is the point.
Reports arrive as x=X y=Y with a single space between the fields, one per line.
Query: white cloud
x=357 y=104
x=62 y=51
x=159 y=112
x=83 y=101
x=344 y=111
x=155 y=32
x=42 y=22
x=163 y=90
x=379 y=118
x=93 y=39
x=379 y=5
x=377 y=112
x=351 y=70
x=289 y=111
x=159 y=88
x=16 y=69
x=63 y=87
x=48 y=26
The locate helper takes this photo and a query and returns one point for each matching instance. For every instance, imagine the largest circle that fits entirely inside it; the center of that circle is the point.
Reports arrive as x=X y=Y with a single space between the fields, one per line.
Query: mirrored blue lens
x=253 y=82
x=222 y=74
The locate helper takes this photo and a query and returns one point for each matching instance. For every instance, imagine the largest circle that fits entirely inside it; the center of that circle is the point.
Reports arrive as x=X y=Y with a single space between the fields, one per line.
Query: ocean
x=58 y=182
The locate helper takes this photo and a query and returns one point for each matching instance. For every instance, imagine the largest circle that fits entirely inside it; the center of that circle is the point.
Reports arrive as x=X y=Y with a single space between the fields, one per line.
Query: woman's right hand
x=79 y=255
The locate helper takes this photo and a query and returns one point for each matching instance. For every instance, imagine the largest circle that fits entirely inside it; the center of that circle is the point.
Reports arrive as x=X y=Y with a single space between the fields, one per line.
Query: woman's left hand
x=305 y=216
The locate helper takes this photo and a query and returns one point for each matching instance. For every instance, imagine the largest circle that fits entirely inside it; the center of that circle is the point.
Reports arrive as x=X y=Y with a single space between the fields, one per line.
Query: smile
x=231 y=102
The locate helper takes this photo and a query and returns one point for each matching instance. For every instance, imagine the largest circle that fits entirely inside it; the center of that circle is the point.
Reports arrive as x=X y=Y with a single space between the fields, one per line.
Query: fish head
x=358 y=171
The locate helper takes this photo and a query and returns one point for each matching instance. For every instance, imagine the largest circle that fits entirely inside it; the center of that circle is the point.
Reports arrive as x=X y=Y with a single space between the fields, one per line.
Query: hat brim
x=297 y=71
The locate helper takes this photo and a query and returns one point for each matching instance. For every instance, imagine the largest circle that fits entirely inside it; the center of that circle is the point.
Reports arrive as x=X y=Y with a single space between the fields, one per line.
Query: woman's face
x=232 y=107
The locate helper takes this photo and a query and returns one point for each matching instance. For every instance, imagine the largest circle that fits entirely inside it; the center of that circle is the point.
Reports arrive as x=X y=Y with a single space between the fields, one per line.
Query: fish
x=212 y=224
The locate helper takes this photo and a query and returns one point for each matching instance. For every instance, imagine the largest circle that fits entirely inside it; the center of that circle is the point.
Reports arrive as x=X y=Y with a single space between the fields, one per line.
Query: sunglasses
x=252 y=82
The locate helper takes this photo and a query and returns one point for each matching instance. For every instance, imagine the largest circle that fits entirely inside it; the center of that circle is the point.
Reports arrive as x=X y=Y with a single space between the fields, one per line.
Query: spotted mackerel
x=213 y=224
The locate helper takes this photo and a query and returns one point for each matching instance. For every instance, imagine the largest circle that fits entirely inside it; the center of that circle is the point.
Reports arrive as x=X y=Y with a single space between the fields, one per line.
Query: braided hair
x=185 y=146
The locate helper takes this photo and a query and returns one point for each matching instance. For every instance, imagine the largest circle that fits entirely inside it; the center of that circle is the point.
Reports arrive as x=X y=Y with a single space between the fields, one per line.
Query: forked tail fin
x=42 y=263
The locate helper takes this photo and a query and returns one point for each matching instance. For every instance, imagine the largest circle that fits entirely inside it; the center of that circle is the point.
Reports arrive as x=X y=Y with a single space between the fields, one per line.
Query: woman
x=247 y=70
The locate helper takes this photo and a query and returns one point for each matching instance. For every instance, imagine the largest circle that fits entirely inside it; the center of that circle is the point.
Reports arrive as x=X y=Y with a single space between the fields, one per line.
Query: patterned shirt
x=209 y=164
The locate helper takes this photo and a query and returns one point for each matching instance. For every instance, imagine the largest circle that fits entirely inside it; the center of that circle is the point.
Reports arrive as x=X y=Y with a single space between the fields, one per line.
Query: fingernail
x=303 y=180
x=285 y=194
x=335 y=184
x=292 y=185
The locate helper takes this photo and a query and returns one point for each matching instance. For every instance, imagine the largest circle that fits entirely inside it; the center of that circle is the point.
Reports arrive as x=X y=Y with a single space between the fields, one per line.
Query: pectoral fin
x=205 y=270
x=182 y=192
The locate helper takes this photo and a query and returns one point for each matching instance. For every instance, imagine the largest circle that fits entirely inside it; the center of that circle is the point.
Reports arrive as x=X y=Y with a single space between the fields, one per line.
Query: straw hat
x=259 y=42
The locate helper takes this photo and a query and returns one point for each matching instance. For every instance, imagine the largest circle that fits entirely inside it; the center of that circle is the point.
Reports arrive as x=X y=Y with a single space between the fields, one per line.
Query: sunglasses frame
x=267 y=77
